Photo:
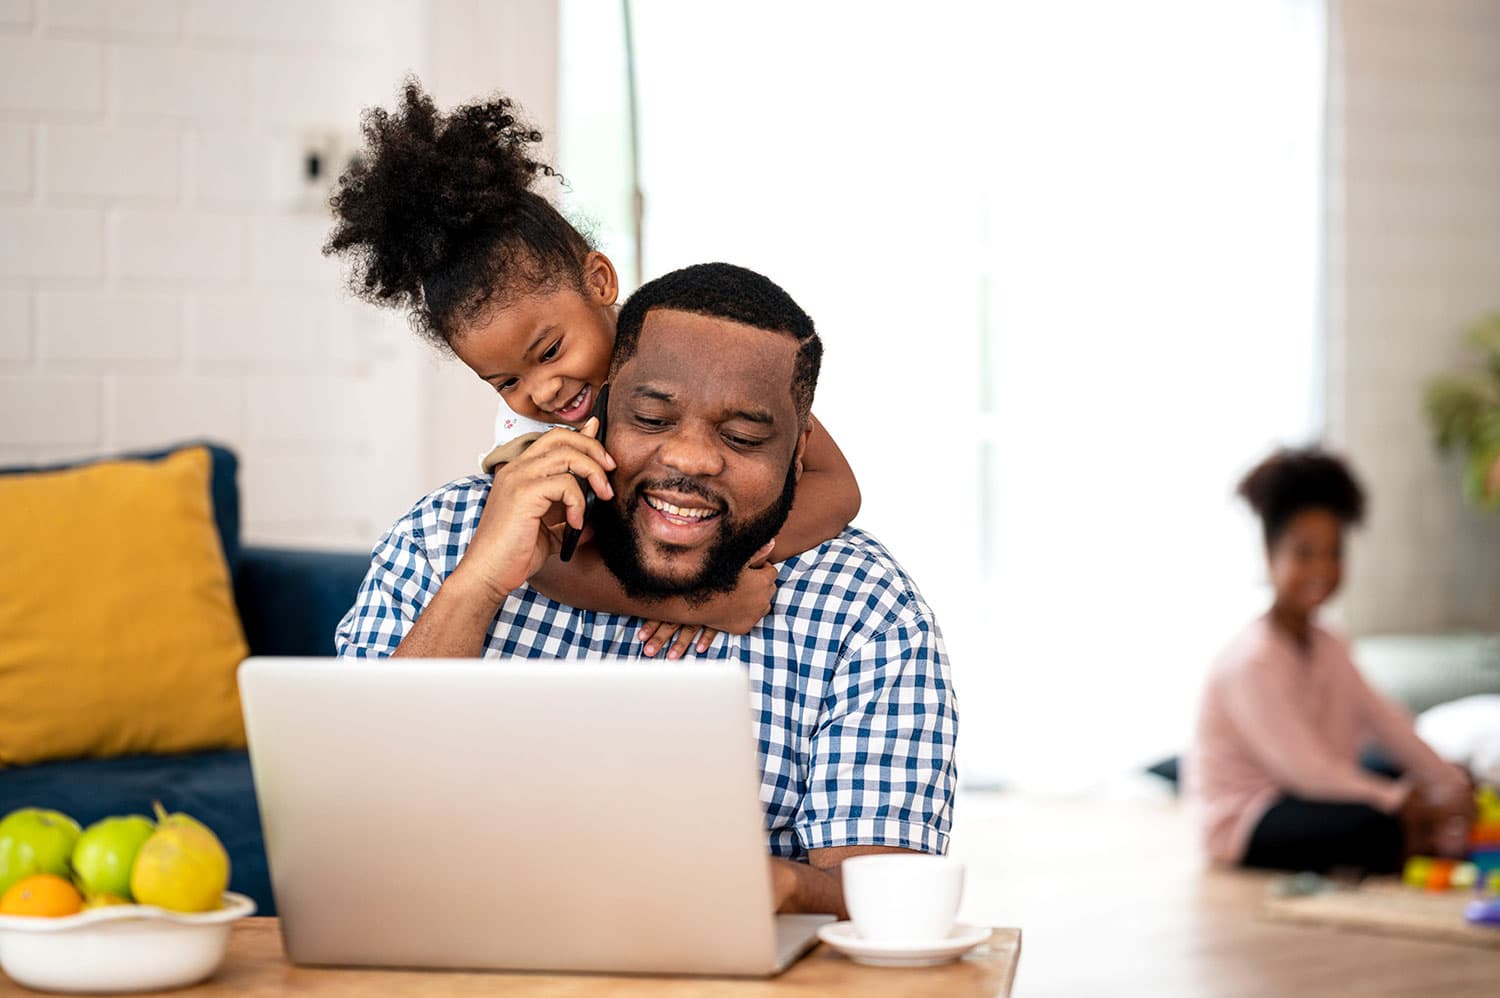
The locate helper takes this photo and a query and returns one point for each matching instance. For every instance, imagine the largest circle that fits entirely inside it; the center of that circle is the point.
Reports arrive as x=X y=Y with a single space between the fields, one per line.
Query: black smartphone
x=570 y=535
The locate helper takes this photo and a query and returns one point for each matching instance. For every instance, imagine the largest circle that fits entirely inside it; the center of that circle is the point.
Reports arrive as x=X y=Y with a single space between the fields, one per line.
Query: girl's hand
x=1417 y=819
x=740 y=609
x=734 y=612
x=676 y=638
x=1457 y=811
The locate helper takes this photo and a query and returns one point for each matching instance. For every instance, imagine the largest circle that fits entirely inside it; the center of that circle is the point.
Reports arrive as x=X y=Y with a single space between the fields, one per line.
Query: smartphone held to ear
x=570 y=535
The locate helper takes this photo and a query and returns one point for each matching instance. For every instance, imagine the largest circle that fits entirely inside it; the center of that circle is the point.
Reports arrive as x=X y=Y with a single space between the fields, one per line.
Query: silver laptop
x=596 y=816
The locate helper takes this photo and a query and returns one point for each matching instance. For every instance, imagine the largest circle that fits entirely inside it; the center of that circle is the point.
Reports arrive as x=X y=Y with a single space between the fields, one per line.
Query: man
x=712 y=382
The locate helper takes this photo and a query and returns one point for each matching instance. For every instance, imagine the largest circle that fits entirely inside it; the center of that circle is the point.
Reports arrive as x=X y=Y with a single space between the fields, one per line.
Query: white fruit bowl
x=119 y=948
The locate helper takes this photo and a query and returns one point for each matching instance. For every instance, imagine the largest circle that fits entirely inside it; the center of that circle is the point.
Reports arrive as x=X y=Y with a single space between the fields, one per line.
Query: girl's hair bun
x=428 y=200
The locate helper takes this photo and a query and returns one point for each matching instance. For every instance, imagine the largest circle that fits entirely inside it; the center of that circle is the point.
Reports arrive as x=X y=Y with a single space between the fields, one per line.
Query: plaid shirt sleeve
x=398 y=586
x=881 y=768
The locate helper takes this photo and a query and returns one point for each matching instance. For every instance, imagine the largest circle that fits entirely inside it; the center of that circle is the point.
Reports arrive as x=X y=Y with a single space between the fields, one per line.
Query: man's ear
x=600 y=282
x=802 y=439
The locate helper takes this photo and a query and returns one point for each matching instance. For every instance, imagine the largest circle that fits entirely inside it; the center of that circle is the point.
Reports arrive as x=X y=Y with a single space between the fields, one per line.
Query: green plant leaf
x=1454 y=405
x=1464 y=412
x=1485 y=334
x=1482 y=477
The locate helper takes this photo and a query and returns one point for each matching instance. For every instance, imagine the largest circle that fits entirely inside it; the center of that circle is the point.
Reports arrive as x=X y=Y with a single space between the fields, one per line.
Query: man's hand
x=817 y=886
x=513 y=537
x=784 y=879
x=510 y=543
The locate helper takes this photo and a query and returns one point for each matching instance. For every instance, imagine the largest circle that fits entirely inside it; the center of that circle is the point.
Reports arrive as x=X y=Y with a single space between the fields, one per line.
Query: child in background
x=1275 y=767
x=441 y=219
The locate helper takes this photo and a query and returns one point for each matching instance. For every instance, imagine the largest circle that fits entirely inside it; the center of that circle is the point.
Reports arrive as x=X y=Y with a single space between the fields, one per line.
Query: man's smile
x=676 y=518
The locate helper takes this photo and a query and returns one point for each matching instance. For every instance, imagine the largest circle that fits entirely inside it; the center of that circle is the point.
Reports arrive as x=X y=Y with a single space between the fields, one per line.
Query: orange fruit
x=42 y=894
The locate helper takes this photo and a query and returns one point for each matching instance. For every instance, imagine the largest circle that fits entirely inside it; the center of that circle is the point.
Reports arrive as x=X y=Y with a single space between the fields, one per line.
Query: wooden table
x=256 y=965
x=1116 y=900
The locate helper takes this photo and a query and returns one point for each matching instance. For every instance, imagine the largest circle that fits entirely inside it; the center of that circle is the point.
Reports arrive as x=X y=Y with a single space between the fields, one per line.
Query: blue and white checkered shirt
x=853 y=710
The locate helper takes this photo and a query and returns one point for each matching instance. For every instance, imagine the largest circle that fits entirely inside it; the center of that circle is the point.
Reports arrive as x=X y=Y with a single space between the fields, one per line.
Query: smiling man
x=707 y=434
x=713 y=375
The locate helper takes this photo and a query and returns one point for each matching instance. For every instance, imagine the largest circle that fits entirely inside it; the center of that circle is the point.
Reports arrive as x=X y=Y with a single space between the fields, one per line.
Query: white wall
x=473 y=48
x=160 y=273
x=1414 y=240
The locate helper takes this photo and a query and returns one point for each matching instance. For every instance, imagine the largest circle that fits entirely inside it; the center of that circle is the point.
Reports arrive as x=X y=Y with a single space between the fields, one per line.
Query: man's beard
x=615 y=534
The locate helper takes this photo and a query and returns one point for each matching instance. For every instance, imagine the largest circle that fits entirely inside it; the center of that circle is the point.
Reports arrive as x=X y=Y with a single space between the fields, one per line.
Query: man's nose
x=692 y=450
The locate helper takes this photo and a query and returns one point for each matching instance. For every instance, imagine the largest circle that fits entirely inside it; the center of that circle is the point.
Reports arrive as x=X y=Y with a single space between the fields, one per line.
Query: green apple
x=105 y=854
x=35 y=841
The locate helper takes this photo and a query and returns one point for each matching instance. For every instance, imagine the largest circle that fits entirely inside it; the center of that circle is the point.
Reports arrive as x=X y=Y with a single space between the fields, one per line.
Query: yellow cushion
x=118 y=629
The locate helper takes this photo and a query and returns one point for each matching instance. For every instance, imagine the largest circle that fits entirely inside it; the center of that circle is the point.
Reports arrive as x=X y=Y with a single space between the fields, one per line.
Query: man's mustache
x=685 y=485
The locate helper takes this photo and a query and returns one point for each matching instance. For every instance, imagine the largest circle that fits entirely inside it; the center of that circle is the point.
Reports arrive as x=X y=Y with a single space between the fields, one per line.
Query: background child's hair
x=1290 y=481
x=438 y=215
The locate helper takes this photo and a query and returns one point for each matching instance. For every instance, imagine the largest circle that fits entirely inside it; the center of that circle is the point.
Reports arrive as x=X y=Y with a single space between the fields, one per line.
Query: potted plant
x=1465 y=413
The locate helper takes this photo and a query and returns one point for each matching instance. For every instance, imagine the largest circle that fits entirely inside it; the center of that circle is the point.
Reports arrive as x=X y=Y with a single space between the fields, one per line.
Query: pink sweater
x=1275 y=719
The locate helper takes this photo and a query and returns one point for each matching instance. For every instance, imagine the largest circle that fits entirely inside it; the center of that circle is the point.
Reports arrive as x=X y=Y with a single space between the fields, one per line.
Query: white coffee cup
x=895 y=897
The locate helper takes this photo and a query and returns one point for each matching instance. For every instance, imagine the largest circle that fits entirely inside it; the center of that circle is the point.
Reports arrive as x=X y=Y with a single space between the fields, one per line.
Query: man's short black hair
x=1290 y=481
x=724 y=291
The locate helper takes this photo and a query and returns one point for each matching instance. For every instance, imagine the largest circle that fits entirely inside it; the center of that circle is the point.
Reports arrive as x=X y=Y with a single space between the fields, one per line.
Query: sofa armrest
x=291 y=601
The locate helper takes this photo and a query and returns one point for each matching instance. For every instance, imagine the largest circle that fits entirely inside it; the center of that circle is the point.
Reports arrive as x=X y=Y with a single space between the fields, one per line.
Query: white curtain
x=1065 y=260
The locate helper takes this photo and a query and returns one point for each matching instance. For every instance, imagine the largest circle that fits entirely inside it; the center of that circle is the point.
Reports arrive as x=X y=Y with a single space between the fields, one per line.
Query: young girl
x=1275 y=762
x=440 y=218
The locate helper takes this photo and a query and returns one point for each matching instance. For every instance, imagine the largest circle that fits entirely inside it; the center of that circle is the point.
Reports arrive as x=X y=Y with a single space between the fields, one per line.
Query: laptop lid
x=514 y=814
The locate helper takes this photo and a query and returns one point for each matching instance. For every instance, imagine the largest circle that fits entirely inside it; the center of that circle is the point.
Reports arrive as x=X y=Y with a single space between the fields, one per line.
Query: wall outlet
x=324 y=158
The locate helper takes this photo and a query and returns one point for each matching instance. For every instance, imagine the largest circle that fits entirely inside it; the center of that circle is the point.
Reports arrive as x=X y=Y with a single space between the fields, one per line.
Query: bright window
x=1065 y=259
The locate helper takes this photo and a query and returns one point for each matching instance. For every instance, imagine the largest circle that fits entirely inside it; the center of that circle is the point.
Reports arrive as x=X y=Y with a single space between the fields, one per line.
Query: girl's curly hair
x=1290 y=481
x=438 y=217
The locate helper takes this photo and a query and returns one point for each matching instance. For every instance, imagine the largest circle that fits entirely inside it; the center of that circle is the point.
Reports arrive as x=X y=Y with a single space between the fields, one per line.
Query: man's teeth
x=690 y=514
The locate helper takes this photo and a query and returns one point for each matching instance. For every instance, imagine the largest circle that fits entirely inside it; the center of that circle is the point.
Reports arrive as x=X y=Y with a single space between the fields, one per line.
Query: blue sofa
x=289 y=602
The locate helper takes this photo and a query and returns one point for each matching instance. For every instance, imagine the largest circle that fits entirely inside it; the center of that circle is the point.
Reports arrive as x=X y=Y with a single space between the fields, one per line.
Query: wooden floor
x=1113 y=899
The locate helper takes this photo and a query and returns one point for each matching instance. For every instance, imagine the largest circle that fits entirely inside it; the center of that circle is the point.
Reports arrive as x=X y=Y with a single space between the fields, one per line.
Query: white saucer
x=962 y=938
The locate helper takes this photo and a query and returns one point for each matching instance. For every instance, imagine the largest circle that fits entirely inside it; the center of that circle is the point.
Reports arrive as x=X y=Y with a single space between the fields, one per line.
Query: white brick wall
x=44 y=242
x=208 y=85
x=303 y=412
x=271 y=22
x=313 y=89
x=278 y=252
x=15 y=13
x=105 y=331
x=282 y=333
x=47 y=74
x=160 y=267
x=1414 y=223
x=179 y=247
x=15 y=328
x=118 y=18
x=15 y=159
x=45 y=411
x=91 y=160
x=149 y=410
x=243 y=168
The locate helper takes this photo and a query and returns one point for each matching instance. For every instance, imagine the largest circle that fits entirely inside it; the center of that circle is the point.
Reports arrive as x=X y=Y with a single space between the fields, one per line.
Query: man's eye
x=650 y=422
x=551 y=351
x=744 y=442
